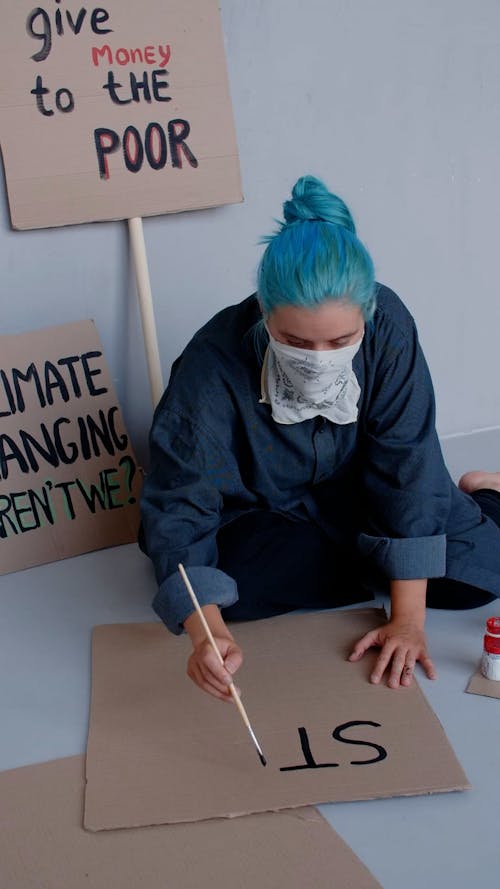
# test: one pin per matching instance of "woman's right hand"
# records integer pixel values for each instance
(204, 667)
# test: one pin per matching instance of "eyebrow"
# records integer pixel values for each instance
(303, 339)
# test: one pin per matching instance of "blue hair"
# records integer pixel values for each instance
(315, 254)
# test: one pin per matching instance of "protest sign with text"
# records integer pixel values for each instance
(114, 111)
(69, 482)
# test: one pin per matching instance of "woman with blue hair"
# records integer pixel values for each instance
(295, 461)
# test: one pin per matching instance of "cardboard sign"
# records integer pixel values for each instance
(114, 111)
(69, 482)
(160, 750)
(42, 843)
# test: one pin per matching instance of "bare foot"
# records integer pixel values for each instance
(474, 481)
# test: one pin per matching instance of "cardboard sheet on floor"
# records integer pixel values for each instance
(162, 751)
(43, 844)
(479, 685)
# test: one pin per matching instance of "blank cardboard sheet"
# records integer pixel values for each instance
(162, 751)
(43, 845)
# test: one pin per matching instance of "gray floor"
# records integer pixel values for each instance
(46, 615)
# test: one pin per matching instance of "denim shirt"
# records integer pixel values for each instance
(379, 483)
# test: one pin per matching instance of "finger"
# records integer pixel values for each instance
(364, 644)
(201, 676)
(198, 678)
(233, 660)
(214, 680)
(408, 670)
(212, 668)
(428, 666)
(382, 662)
(397, 668)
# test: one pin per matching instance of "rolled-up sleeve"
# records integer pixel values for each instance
(406, 488)
(181, 508)
(406, 558)
(173, 604)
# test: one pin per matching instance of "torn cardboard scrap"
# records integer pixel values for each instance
(42, 844)
(162, 751)
(479, 685)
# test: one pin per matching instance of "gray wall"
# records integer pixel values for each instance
(395, 105)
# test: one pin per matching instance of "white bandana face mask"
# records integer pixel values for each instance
(303, 383)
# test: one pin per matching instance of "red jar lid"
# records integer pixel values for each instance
(493, 626)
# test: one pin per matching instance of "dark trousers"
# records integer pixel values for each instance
(281, 565)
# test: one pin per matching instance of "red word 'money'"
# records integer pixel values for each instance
(151, 55)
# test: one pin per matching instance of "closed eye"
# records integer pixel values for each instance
(306, 344)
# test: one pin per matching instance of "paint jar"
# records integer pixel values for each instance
(490, 663)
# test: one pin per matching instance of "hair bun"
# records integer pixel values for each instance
(312, 201)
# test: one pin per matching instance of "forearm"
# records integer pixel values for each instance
(215, 621)
(408, 601)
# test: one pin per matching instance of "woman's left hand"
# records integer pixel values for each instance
(402, 644)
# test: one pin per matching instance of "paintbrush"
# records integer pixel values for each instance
(232, 689)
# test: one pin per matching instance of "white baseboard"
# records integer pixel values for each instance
(472, 450)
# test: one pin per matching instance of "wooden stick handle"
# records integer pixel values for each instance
(138, 244)
(202, 617)
(237, 701)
